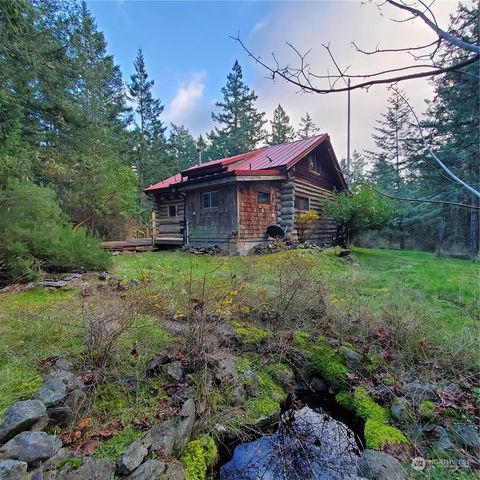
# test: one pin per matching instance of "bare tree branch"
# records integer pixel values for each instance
(432, 153)
(421, 200)
(296, 75)
(452, 39)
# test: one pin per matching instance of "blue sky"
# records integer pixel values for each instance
(184, 43)
(189, 54)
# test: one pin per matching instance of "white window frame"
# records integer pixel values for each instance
(209, 196)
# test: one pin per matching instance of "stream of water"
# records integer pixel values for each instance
(307, 444)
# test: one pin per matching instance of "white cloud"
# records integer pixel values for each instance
(187, 104)
(259, 26)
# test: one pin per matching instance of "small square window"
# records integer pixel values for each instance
(172, 210)
(210, 200)
(302, 203)
(263, 198)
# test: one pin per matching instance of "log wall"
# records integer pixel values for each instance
(164, 225)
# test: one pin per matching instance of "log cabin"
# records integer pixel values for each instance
(231, 201)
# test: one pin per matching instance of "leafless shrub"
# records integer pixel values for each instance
(105, 320)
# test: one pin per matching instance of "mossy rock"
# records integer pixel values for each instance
(264, 404)
(73, 463)
(426, 410)
(377, 431)
(377, 434)
(367, 408)
(325, 361)
(199, 455)
(249, 334)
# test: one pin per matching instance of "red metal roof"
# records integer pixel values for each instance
(177, 178)
(265, 161)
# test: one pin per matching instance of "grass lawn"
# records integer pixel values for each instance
(40, 323)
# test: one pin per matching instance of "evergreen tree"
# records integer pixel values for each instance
(307, 127)
(98, 187)
(453, 124)
(357, 169)
(182, 146)
(282, 131)
(150, 161)
(240, 123)
(396, 139)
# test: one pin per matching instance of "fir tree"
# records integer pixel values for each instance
(282, 131)
(307, 127)
(240, 124)
(396, 139)
(182, 146)
(151, 161)
(453, 126)
(357, 169)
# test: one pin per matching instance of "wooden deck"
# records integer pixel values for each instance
(141, 244)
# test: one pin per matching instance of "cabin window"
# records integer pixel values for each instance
(263, 198)
(172, 210)
(210, 200)
(302, 203)
(314, 163)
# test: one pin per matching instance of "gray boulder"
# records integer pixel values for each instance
(465, 435)
(134, 455)
(354, 359)
(150, 470)
(226, 370)
(163, 437)
(173, 371)
(379, 466)
(20, 417)
(251, 382)
(31, 447)
(184, 427)
(239, 395)
(442, 441)
(181, 396)
(12, 470)
(52, 391)
(175, 471)
(90, 469)
(284, 376)
(401, 410)
(129, 384)
(418, 392)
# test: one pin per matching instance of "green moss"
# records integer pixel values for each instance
(345, 400)
(198, 456)
(389, 381)
(113, 448)
(377, 434)
(281, 373)
(266, 401)
(325, 361)
(376, 363)
(302, 340)
(250, 334)
(74, 463)
(367, 408)
(426, 409)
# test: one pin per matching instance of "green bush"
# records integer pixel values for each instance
(360, 211)
(35, 236)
